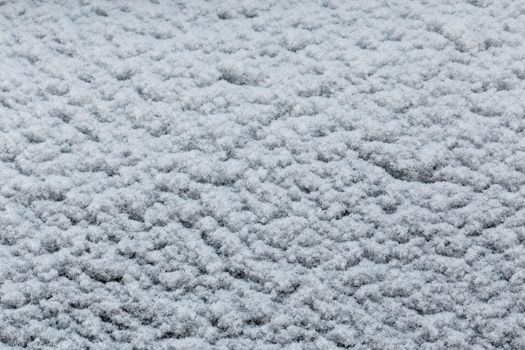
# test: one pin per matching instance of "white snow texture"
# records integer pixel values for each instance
(262, 174)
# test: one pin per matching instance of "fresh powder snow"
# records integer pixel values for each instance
(262, 174)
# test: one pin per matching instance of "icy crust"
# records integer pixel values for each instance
(262, 175)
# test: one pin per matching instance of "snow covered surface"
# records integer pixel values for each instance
(262, 175)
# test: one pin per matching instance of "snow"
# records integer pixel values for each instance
(262, 175)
